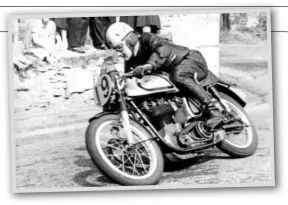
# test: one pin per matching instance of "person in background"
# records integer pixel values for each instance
(148, 24)
(19, 60)
(77, 32)
(98, 27)
(25, 32)
(61, 33)
(141, 24)
(43, 40)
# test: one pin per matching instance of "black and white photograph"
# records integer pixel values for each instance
(162, 100)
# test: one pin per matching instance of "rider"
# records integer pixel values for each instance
(149, 52)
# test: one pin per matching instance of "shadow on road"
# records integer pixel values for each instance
(94, 178)
(211, 155)
(190, 169)
(82, 177)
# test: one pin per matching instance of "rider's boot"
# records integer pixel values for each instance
(213, 113)
(210, 110)
(210, 107)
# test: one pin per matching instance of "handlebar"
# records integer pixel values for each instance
(130, 74)
(127, 75)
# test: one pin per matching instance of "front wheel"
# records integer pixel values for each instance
(138, 164)
(241, 144)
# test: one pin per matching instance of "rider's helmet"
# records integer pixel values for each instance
(117, 32)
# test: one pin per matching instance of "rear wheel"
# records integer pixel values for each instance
(137, 164)
(243, 143)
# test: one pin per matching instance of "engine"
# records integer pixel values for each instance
(162, 115)
(163, 111)
(169, 117)
(160, 112)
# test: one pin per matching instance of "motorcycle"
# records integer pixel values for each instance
(147, 120)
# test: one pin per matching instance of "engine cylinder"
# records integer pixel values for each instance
(162, 115)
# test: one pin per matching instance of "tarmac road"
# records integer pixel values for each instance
(59, 159)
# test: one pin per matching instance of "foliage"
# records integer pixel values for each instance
(246, 28)
(262, 25)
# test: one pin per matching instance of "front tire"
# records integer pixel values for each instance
(236, 149)
(110, 164)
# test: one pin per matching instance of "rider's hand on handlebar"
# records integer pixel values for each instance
(142, 70)
(127, 75)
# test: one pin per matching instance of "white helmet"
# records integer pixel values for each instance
(116, 32)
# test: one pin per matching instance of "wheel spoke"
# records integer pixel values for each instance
(116, 143)
(134, 160)
(123, 163)
(143, 153)
(133, 166)
(111, 146)
(113, 155)
(141, 161)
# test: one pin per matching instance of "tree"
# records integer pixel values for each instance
(225, 22)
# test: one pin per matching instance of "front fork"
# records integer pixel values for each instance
(125, 120)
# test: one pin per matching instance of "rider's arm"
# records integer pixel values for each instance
(159, 50)
(159, 57)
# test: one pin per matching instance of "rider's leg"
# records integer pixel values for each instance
(183, 77)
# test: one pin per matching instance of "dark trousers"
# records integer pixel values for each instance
(77, 31)
(183, 76)
(98, 27)
(61, 23)
(138, 22)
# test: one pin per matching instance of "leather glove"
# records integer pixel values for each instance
(142, 70)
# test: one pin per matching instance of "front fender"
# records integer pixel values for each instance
(231, 92)
(100, 114)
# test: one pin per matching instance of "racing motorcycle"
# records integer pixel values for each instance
(148, 121)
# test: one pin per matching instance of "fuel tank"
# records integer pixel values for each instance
(149, 84)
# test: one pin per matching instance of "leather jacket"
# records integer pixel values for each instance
(158, 52)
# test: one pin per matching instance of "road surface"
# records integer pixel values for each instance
(55, 157)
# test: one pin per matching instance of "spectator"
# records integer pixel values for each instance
(61, 33)
(142, 24)
(43, 39)
(98, 27)
(150, 24)
(15, 30)
(77, 31)
(25, 29)
(19, 60)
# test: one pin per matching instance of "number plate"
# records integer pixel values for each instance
(104, 89)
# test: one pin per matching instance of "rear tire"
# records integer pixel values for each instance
(227, 146)
(107, 168)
